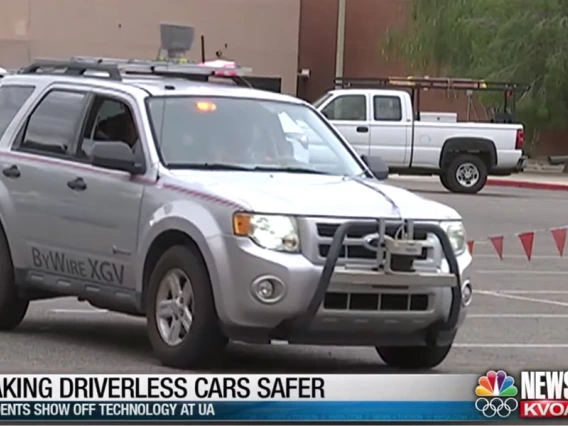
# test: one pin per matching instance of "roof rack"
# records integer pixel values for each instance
(429, 83)
(116, 69)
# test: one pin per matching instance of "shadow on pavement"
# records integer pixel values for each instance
(479, 194)
(127, 339)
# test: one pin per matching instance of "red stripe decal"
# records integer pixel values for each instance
(203, 195)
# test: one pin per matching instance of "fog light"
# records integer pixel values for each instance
(265, 289)
(268, 289)
(467, 293)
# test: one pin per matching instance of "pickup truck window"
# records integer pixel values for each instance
(387, 108)
(252, 135)
(53, 125)
(347, 108)
(12, 98)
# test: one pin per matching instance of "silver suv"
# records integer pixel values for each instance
(218, 212)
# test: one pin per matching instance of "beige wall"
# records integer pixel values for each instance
(262, 34)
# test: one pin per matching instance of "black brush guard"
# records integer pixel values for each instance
(303, 321)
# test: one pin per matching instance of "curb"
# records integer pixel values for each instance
(528, 184)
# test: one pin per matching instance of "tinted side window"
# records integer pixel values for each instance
(106, 122)
(110, 120)
(53, 125)
(347, 108)
(387, 108)
(12, 98)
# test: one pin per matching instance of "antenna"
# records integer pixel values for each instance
(203, 56)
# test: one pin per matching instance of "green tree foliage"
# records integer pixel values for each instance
(507, 40)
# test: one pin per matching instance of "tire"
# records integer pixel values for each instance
(414, 357)
(204, 341)
(475, 164)
(444, 181)
(13, 308)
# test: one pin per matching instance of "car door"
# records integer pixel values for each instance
(348, 113)
(390, 135)
(35, 172)
(105, 215)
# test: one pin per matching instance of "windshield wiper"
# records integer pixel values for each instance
(208, 166)
(225, 166)
(290, 169)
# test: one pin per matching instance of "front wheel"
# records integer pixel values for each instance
(13, 308)
(413, 357)
(182, 321)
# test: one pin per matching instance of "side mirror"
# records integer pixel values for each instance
(377, 165)
(115, 155)
(325, 114)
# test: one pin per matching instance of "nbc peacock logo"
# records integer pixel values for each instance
(496, 393)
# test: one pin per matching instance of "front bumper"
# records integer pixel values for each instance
(301, 316)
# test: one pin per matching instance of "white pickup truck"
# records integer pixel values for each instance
(378, 122)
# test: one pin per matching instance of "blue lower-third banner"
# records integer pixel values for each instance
(219, 411)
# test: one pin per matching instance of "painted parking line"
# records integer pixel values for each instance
(516, 272)
(511, 345)
(518, 316)
(517, 256)
(79, 311)
(522, 298)
(531, 291)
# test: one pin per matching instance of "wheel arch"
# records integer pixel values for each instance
(467, 145)
(164, 241)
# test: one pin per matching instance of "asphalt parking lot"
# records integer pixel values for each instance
(518, 318)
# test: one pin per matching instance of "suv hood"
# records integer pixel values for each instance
(314, 195)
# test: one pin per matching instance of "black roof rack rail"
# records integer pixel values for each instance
(428, 83)
(115, 69)
(69, 67)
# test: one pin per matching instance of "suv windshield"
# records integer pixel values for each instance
(245, 134)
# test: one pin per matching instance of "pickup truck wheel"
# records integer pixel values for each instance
(413, 357)
(182, 322)
(12, 307)
(466, 174)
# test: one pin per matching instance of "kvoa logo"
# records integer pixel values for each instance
(544, 409)
(544, 394)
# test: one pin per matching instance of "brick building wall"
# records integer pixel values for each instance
(366, 22)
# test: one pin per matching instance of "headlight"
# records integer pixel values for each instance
(271, 232)
(456, 234)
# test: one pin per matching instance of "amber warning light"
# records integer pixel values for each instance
(206, 106)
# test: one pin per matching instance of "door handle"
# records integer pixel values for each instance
(12, 172)
(77, 184)
(362, 129)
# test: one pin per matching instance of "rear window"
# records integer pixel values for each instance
(12, 98)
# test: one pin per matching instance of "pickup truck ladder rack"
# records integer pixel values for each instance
(429, 83)
(116, 69)
(418, 84)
